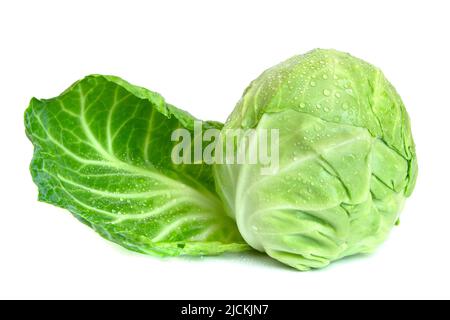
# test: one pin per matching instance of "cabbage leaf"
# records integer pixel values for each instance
(103, 152)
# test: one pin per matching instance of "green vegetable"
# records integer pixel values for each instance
(345, 163)
(347, 160)
(103, 151)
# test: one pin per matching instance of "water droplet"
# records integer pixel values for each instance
(318, 106)
(326, 92)
(326, 109)
(325, 76)
(337, 95)
(345, 106)
(313, 83)
(302, 105)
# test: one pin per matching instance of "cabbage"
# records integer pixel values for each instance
(347, 160)
(342, 163)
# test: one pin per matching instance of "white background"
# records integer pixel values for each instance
(200, 55)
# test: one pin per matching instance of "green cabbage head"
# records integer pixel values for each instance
(347, 160)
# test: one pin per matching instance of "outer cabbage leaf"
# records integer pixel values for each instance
(347, 160)
(103, 151)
